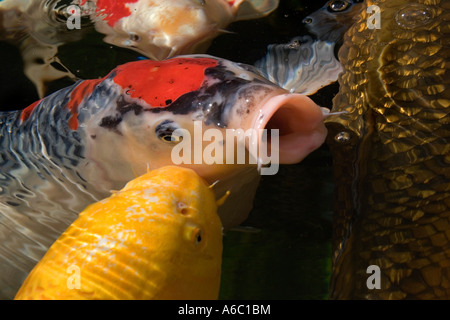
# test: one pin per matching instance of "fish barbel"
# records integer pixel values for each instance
(391, 153)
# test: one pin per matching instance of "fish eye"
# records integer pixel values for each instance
(167, 138)
(134, 37)
(171, 138)
(202, 2)
(164, 131)
(307, 20)
(338, 6)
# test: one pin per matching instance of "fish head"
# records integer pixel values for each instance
(161, 29)
(185, 111)
(187, 229)
(330, 22)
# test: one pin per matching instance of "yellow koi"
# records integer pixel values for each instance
(158, 238)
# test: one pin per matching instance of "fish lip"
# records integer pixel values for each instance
(300, 124)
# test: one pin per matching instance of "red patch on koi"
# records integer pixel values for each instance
(26, 113)
(113, 9)
(76, 97)
(159, 83)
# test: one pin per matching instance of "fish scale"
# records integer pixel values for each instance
(48, 130)
(158, 238)
(41, 189)
(392, 170)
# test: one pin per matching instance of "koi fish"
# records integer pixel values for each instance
(391, 152)
(330, 22)
(69, 149)
(158, 29)
(158, 238)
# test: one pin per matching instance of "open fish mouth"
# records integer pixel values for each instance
(299, 122)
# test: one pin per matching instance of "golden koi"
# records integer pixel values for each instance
(391, 154)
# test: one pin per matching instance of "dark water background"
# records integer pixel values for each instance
(284, 251)
(289, 258)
